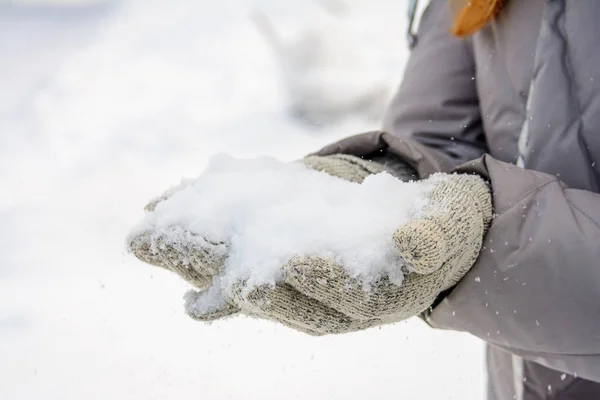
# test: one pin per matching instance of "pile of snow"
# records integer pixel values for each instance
(267, 211)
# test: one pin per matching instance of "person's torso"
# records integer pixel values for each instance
(547, 53)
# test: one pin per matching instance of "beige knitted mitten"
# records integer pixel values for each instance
(198, 261)
(439, 246)
(316, 295)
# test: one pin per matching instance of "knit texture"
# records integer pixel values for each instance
(193, 258)
(439, 246)
(355, 169)
(197, 260)
(343, 166)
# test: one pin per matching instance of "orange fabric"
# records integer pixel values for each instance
(472, 15)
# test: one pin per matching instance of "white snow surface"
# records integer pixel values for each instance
(102, 107)
(267, 211)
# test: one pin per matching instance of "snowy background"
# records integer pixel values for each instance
(105, 104)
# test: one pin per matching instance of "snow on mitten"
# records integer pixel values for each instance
(193, 258)
(438, 247)
(198, 260)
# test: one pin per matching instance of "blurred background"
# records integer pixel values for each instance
(105, 104)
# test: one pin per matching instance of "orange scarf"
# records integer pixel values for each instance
(472, 15)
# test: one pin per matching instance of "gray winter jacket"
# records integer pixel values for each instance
(534, 74)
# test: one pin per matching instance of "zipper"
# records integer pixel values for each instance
(411, 36)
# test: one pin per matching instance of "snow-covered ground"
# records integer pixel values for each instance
(103, 106)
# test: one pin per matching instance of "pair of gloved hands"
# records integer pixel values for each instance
(317, 296)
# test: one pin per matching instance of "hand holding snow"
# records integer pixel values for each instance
(320, 254)
(266, 211)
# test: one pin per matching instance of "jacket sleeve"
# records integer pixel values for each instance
(435, 111)
(535, 288)
(436, 104)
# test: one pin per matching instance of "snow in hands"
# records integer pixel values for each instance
(257, 214)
